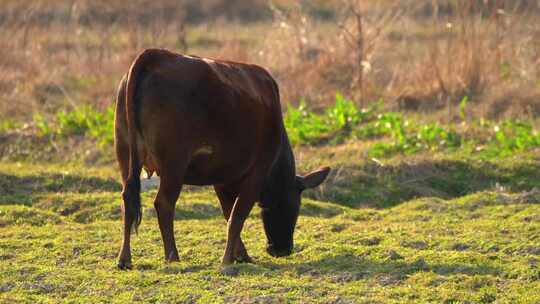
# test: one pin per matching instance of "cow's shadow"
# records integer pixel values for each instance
(23, 190)
(29, 189)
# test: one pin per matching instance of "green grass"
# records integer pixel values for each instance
(413, 212)
(397, 134)
(390, 133)
(84, 121)
(461, 231)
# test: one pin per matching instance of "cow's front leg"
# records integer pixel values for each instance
(227, 196)
(240, 211)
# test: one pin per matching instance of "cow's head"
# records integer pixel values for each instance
(280, 217)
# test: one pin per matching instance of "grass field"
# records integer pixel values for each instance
(468, 231)
(427, 111)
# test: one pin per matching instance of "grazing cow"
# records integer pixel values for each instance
(200, 121)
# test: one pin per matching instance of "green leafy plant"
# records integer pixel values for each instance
(462, 106)
(433, 136)
(84, 121)
(74, 122)
(409, 139)
(102, 126)
(343, 114)
(8, 125)
(43, 126)
(334, 125)
(339, 122)
(385, 124)
(304, 126)
(511, 136)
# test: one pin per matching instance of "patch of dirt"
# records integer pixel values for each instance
(338, 227)
(530, 197)
(420, 264)
(433, 204)
(414, 244)
(263, 299)
(389, 279)
(394, 255)
(346, 277)
(460, 247)
(371, 241)
(534, 250)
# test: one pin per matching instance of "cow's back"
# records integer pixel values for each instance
(226, 116)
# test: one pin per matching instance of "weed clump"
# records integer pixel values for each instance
(390, 132)
(84, 121)
(394, 134)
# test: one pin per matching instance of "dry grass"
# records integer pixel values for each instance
(417, 55)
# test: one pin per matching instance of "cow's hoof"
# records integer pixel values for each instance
(125, 265)
(173, 260)
(229, 270)
(243, 259)
(172, 257)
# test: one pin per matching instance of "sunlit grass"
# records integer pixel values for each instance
(61, 230)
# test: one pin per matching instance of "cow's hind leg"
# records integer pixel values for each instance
(227, 195)
(169, 190)
(130, 206)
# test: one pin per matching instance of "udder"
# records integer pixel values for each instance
(149, 163)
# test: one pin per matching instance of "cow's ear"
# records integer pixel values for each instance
(313, 179)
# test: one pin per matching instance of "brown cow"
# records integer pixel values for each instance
(200, 121)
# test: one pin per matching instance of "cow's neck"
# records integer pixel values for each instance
(282, 175)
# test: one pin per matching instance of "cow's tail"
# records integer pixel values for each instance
(132, 189)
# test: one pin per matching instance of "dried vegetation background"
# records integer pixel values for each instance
(423, 56)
